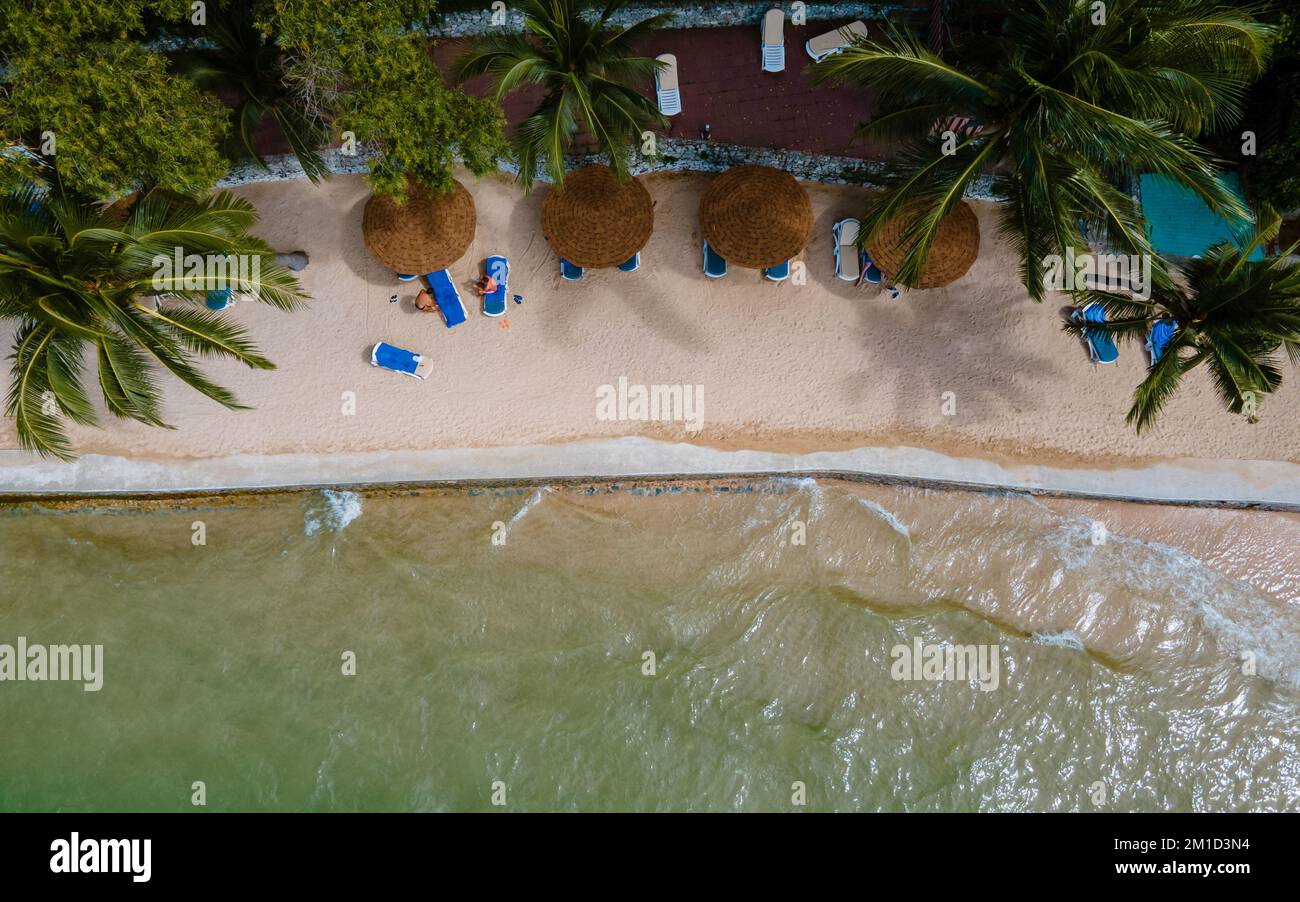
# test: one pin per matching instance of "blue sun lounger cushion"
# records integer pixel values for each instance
(872, 275)
(446, 296)
(494, 304)
(399, 360)
(1162, 334)
(778, 273)
(569, 272)
(1101, 345)
(632, 264)
(714, 266)
(220, 298)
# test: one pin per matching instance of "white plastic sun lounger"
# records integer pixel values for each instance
(833, 42)
(667, 88)
(773, 32)
(848, 259)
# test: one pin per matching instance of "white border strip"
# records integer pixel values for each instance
(1272, 484)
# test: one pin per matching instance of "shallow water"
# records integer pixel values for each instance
(1120, 683)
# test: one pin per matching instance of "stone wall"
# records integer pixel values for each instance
(675, 154)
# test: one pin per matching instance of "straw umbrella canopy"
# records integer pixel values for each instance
(428, 232)
(595, 220)
(756, 216)
(956, 245)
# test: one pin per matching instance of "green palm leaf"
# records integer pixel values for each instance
(72, 275)
(590, 76)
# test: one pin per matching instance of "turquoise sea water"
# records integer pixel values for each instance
(521, 663)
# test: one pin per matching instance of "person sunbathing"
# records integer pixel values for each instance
(486, 285)
(424, 301)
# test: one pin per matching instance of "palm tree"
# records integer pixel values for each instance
(244, 64)
(590, 78)
(1234, 316)
(75, 274)
(1061, 107)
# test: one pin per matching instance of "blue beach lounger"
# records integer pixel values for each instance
(569, 272)
(632, 264)
(403, 277)
(497, 267)
(714, 266)
(1162, 334)
(399, 360)
(446, 296)
(1101, 346)
(872, 275)
(220, 298)
(778, 273)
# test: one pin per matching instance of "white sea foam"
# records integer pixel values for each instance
(1059, 639)
(528, 505)
(888, 516)
(340, 509)
(1231, 609)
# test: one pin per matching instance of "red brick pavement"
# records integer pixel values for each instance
(722, 84)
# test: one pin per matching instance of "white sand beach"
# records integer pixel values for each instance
(789, 367)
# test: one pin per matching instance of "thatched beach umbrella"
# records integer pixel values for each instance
(756, 216)
(596, 220)
(428, 232)
(956, 245)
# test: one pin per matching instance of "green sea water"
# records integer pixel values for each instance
(504, 638)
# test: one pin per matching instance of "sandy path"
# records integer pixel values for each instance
(795, 367)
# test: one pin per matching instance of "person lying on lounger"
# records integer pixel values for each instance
(424, 301)
(486, 285)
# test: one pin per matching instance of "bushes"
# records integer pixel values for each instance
(123, 118)
(114, 115)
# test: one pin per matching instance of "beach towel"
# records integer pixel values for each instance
(446, 297)
(667, 89)
(714, 266)
(833, 42)
(773, 41)
(1101, 345)
(399, 360)
(494, 303)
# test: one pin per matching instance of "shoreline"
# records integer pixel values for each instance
(1257, 484)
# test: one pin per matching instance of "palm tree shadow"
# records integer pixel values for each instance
(935, 342)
